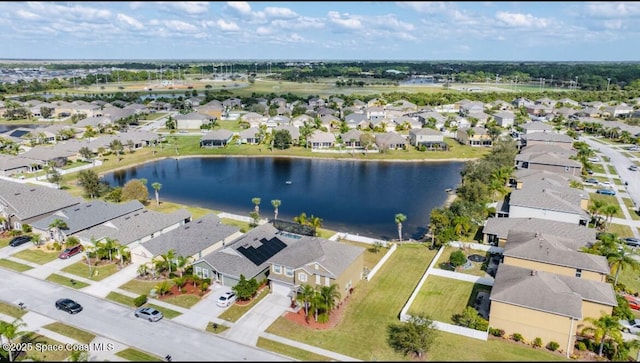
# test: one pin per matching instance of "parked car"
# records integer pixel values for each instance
(606, 191)
(589, 171)
(633, 167)
(19, 240)
(634, 148)
(591, 181)
(226, 299)
(606, 184)
(631, 241)
(70, 252)
(633, 302)
(150, 314)
(630, 326)
(68, 305)
(594, 159)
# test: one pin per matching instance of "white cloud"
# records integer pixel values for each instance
(263, 30)
(344, 20)
(83, 13)
(427, 7)
(135, 5)
(27, 15)
(274, 12)
(227, 25)
(614, 24)
(180, 26)
(613, 9)
(242, 7)
(190, 7)
(134, 23)
(521, 20)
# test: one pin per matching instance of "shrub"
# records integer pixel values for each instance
(553, 346)
(457, 258)
(582, 346)
(57, 246)
(140, 300)
(517, 337)
(496, 332)
(537, 342)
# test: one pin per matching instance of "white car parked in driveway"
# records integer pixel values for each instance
(631, 326)
(226, 299)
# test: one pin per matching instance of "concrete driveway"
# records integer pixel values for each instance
(258, 319)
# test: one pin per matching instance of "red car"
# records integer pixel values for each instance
(633, 302)
(70, 251)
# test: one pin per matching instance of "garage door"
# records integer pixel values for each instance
(280, 289)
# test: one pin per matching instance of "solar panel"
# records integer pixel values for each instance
(266, 250)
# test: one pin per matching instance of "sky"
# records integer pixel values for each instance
(331, 30)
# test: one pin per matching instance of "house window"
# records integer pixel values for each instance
(317, 279)
(198, 271)
(327, 281)
(17, 225)
(288, 271)
(277, 269)
(302, 277)
(205, 273)
(579, 272)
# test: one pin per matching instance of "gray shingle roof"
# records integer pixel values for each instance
(553, 250)
(548, 292)
(547, 194)
(29, 201)
(501, 227)
(89, 214)
(230, 262)
(192, 237)
(134, 226)
(548, 137)
(335, 257)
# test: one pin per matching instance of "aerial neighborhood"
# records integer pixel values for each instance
(546, 282)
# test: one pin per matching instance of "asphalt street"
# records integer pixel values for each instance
(118, 323)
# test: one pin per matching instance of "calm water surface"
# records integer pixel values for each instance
(350, 196)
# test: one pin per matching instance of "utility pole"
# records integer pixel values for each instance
(576, 86)
(608, 83)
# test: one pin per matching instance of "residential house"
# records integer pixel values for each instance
(213, 110)
(22, 204)
(195, 240)
(618, 110)
(134, 228)
(474, 136)
(49, 155)
(430, 138)
(83, 216)
(248, 255)
(216, 138)
(250, 136)
(301, 120)
(479, 118)
(504, 118)
(11, 165)
(351, 139)
(192, 120)
(391, 141)
(321, 140)
(316, 262)
(406, 122)
(549, 161)
(254, 119)
(535, 138)
(541, 304)
(293, 131)
(374, 113)
(496, 230)
(357, 121)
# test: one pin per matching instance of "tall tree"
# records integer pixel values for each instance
(275, 203)
(89, 181)
(11, 331)
(415, 336)
(256, 201)
(305, 296)
(605, 328)
(156, 187)
(400, 218)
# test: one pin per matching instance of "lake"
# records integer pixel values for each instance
(350, 196)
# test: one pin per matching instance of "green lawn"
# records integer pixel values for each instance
(609, 200)
(219, 329)
(621, 230)
(376, 304)
(37, 255)
(442, 297)
(11, 310)
(4, 242)
(81, 269)
(41, 356)
(16, 266)
(141, 287)
(65, 281)
(134, 355)
(77, 334)
(612, 169)
(244, 226)
(120, 298)
(476, 270)
(236, 311)
(185, 301)
(629, 204)
(290, 351)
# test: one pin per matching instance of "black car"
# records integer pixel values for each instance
(69, 306)
(20, 240)
(631, 241)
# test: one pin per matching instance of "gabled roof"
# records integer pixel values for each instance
(352, 134)
(29, 201)
(192, 237)
(134, 226)
(501, 227)
(220, 134)
(548, 158)
(553, 250)
(9, 162)
(548, 292)
(548, 137)
(89, 214)
(335, 257)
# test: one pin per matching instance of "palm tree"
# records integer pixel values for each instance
(124, 254)
(12, 331)
(301, 219)
(604, 328)
(330, 296)
(609, 211)
(399, 219)
(168, 258)
(315, 222)
(256, 201)
(305, 296)
(619, 259)
(182, 263)
(275, 203)
(595, 207)
(108, 245)
(57, 225)
(156, 187)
